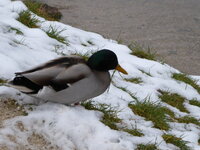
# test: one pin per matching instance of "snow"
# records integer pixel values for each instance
(75, 127)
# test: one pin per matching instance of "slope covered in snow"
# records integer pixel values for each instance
(68, 128)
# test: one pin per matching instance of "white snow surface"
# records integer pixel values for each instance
(74, 127)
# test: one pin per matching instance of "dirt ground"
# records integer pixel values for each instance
(170, 27)
(10, 109)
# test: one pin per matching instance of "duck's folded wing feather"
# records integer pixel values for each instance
(72, 74)
(62, 62)
(45, 73)
(44, 76)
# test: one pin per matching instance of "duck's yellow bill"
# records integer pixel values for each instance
(119, 68)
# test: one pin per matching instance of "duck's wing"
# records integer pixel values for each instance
(70, 76)
(59, 62)
(46, 74)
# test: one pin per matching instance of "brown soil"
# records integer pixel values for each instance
(10, 109)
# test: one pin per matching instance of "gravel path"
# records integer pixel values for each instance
(171, 27)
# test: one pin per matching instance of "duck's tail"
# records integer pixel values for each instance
(24, 85)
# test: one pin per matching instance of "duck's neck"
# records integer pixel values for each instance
(103, 76)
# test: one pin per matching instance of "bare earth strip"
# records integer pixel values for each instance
(36, 142)
(8, 110)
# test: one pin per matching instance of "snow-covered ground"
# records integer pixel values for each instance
(75, 127)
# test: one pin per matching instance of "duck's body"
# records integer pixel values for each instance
(71, 78)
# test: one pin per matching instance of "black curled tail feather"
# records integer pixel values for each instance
(23, 81)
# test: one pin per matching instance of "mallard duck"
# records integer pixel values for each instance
(71, 79)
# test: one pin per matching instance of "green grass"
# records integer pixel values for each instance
(85, 55)
(90, 42)
(177, 101)
(58, 49)
(187, 80)
(169, 112)
(85, 45)
(17, 31)
(109, 118)
(188, 119)
(2, 81)
(151, 111)
(146, 147)
(175, 141)
(125, 90)
(139, 51)
(185, 119)
(194, 102)
(134, 132)
(20, 42)
(173, 99)
(134, 80)
(43, 10)
(120, 41)
(27, 19)
(54, 32)
(147, 73)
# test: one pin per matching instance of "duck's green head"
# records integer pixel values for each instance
(104, 60)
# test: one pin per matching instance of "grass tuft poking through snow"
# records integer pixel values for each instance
(188, 119)
(2, 81)
(173, 99)
(139, 51)
(43, 10)
(17, 31)
(20, 42)
(109, 118)
(147, 73)
(185, 119)
(54, 32)
(125, 90)
(27, 19)
(194, 102)
(134, 80)
(85, 55)
(151, 111)
(187, 80)
(83, 44)
(169, 112)
(90, 42)
(134, 132)
(146, 147)
(175, 141)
